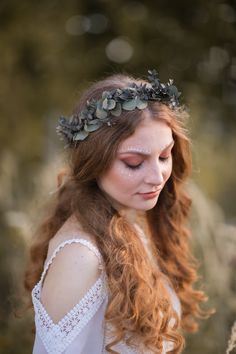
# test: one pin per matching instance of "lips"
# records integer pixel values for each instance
(150, 195)
(158, 190)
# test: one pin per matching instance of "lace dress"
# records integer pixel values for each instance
(82, 330)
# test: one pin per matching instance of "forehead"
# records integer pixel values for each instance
(150, 134)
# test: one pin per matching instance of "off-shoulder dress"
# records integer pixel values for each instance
(82, 330)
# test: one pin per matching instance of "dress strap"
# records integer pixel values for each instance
(68, 242)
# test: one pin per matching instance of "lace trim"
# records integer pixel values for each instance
(68, 242)
(56, 337)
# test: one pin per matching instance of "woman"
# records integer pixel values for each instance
(111, 270)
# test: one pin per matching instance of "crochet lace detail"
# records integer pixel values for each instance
(57, 336)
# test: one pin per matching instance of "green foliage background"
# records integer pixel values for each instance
(50, 51)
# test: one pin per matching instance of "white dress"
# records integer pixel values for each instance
(82, 329)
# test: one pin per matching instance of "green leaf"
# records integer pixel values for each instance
(92, 127)
(173, 90)
(105, 94)
(105, 103)
(141, 104)
(94, 121)
(83, 114)
(117, 110)
(79, 126)
(81, 135)
(100, 113)
(89, 116)
(129, 105)
(111, 104)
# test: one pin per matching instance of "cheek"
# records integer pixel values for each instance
(120, 179)
(126, 173)
(124, 177)
(117, 179)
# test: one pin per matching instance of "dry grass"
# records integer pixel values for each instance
(214, 241)
(232, 340)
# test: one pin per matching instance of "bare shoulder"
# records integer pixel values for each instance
(72, 273)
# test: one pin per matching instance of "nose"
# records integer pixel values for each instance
(154, 175)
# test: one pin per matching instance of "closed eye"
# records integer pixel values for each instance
(164, 159)
(133, 167)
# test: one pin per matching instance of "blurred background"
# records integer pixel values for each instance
(50, 51)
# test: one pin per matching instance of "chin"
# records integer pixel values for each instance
(146, 207)
(149, 205)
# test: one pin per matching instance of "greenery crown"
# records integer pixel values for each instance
(78, 126)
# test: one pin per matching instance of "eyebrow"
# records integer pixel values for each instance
(144, 153)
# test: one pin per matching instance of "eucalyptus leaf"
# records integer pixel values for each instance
(92, 127)
(89, 116)
(81, 135)
(118, 91)
(105, 94)
(111, 104)
(100, 113)
(83, 115)
(117, 110)
(105, 103)
(173, 90)
(94, 121)
(141, 104)
(129, 105)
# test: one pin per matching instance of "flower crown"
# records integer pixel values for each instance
(78, 126)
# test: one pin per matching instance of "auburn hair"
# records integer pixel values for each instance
(139, 307)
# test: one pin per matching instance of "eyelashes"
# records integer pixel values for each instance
(164, 159)
(136, 167)
(133, 167)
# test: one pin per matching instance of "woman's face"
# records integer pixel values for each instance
(143, 164)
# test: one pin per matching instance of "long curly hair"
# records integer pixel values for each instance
(139, 306)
